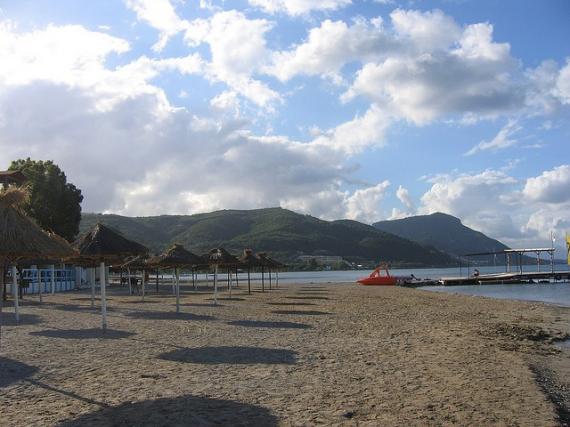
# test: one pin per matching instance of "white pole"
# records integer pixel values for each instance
(216, 284)
(129, 280)
(277, 279)
(142, 285)
(39, 280)
(15, 293)
(231, 283)
(52, 274)
(103, 300)
(177, 290)
(174, 281)
(93, 275)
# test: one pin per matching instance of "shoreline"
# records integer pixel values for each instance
(299, 355)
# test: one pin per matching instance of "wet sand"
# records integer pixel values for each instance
(299, 355)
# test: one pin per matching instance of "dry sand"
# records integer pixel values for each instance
(300, 355)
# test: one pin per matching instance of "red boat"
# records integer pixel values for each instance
(376, 278)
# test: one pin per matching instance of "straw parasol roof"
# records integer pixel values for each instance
(249, 260)
(222, 258)
(103, 243)
(12, 177)
(139, 262)
(269, 262)
(175, 256)
(21, 237)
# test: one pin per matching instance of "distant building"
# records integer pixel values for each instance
(322, 259)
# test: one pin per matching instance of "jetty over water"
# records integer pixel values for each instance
(514, 272)
(506, 278)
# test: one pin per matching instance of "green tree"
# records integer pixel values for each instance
(54, 203)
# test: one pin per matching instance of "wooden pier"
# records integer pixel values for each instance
(507, 278)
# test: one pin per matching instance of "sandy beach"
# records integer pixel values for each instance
(300, 355)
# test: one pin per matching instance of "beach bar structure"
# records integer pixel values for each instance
(514, 270)
(49, 280)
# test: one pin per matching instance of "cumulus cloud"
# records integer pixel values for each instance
(298, 7)
(364, 204)
(355, 135)
(551, 186)
(140, 155)
(563, 84)
(238, 50)
(330, 46)
(427, 30)
(472, 79)
(502, 140)
(161, 15)
(403, 196)
(61, 54)
(471, 197)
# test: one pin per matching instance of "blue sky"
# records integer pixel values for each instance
(367, 110)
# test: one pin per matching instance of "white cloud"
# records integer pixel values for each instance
(403, 196)
(298, 7)
(563, 84)
(226, 102)
(491, 202)
(364, 204)
(502, 140)
(426, 30)
(471, 197)
(238, 49)
(551, 186)
(161, 15)
(74, 56)
(199, 163)
(353, 136)
(329, 47)
(65, 54)
(424, 87)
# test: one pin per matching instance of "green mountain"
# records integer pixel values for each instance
(282, 233)
(444, 232)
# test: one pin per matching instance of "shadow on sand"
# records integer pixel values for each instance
(166, 315)
(9, 319)
(232, 355)
(291, 303)
(301, 313)
(200, 304)
(94, 333)
(267, 324)
(178, 411)
(12, 371)
(308, 297)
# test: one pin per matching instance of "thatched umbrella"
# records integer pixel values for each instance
(271, 264)
(219, 257)
(175, 257)
(12, 177)
(21, 237)
(249, 260)
(102, 244)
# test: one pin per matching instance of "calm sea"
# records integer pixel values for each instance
(558, 293)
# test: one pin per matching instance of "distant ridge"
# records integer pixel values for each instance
(442, 231)
(283, 233)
